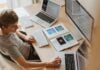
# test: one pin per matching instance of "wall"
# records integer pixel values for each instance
(18, 3)
(93, 7)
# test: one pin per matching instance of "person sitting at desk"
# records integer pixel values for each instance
(11, 44)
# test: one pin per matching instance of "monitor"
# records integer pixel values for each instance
(80, 17)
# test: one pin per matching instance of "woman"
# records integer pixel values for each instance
(12, 45)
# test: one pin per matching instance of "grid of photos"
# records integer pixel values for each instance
(54, 30)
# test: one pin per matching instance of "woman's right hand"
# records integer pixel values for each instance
(30, 39)
(55, 63)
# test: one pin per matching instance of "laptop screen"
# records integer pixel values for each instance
(53, 9)
(80, 17)
(44, 5)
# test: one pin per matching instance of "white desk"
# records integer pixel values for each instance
(47, 53)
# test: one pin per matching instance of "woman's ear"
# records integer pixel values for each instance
(2, 27)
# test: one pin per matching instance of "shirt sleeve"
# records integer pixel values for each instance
(13, 52)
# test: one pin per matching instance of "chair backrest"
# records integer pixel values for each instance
(6, 56)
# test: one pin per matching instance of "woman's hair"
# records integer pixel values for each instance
(8, 17)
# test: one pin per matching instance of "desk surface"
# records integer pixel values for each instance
(47, 53)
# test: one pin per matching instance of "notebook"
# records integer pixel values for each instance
(40, 38)
(48, 15)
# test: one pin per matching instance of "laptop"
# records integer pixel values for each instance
(48, 15)
(76, 60)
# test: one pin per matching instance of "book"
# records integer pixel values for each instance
(60, 37)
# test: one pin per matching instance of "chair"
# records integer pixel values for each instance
(7, 57)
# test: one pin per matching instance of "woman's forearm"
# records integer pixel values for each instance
(21, 35)
(29, 64)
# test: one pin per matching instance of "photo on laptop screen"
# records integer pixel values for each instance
(80, 17)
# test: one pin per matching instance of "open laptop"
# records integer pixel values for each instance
(48, 15)
(76, 60)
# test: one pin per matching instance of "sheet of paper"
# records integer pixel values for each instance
(21, 12)
(40, 38)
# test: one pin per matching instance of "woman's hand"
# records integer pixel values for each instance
(30, 39)
(55, 63)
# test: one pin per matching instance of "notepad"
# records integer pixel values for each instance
(40, 38)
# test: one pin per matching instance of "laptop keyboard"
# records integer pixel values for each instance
(45, 17)
(69, 62)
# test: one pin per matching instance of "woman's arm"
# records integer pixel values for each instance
(21, 35)
(18, 58)
(27, 38)
(27, 64)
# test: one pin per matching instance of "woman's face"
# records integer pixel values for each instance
(12, 28)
